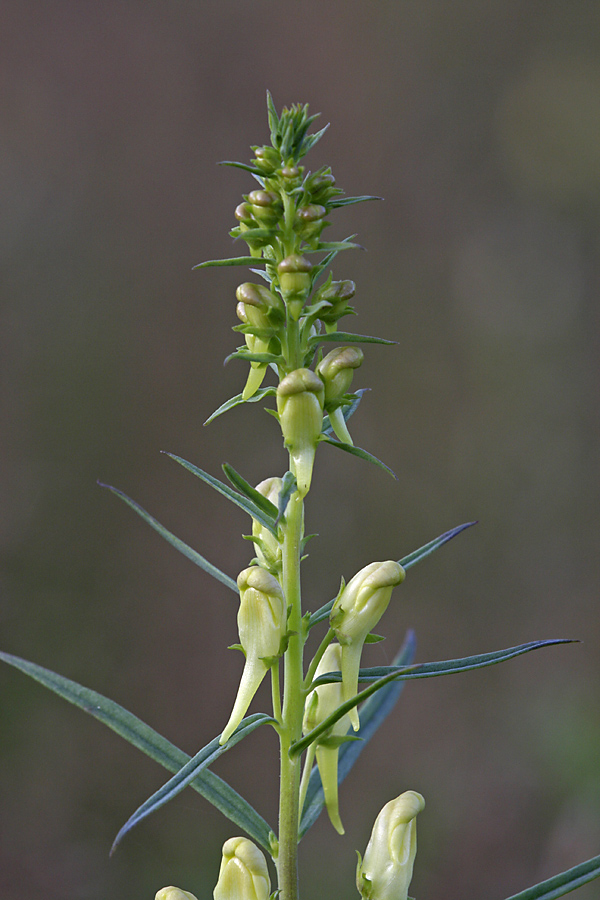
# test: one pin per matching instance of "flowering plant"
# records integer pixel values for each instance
(289, 317)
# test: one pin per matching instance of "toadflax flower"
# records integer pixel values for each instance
(336, 370)
(300, 397)
(259, 308)
(386, 870)
(358, 608)
(174, 893)
(243, 874)
(262, 623)
(322, 702)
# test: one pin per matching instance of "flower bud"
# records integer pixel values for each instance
(268, 548)
(386, 870)
(338, 293)
(324, 701)
(243, 874)
(262, 623)
(336, 371)
(357, 610)
(295, 282)
(267, 159)
(320, 186)
(300, 406)
(266, 206)
(243, 213)
(173, 893)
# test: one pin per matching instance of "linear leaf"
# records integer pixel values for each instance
(247, 505)
(238, 399)
(273, 117)
(348, 337)
(204, 758)
(362, 454)
(446, 666)
(427, 549)
(234, 261)
(176, 542)
(334, 245)
(250, 492)
(424, 670)
(372, 715)
(348, 201)
(248, 356)
(559, 885)
(150, 742)
(239, 165)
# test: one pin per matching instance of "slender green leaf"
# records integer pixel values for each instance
(427, 549)
(273, 118)
(362, 454)
(190, 771)
(234, 261)
(444, 667)
(250, 492)
(180, 545)
(239, 165)
(288, 486)
(424, 670)
(150, 742)
(249, 356)
(348, 201)
(372, 715)
(347, 337)
(238, 399)
(247, 505)
(561, 884)
(334, 245)
(312, 139)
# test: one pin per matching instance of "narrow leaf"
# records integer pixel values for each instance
(234, 261)
(238, 399)
(362, 454)
(247, 505)
(422, 671)
(561, 884)
(176, 542)
(446, 666)
(312, 139)
(372, 715)
(239, 165)
(150, 742)
(334, 245)
(348, 201)
(251, 493)
(273, 118)
(205, 757)
(427, 549)
(248, 356)
(348, 337)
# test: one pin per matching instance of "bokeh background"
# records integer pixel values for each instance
(479, 122)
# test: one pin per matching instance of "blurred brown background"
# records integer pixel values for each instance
(479, 122)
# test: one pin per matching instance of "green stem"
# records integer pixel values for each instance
(293, 706)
